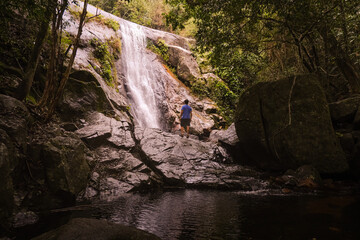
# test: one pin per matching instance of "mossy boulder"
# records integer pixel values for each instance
(286, 124)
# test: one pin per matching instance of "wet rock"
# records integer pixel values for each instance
(305, 176)
(86, 228)
(308, 176)
(286, 124)
(188, 162)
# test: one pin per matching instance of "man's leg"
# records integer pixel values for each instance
(187, 130)
(182, 131)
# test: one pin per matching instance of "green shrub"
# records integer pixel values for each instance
(160, 48)
(105, 58)
(111, 23)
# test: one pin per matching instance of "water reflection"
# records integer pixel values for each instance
(192, 214)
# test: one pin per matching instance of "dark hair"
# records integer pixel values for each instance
(186, 101)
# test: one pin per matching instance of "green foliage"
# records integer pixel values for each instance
(224, 98)
(107, 5)
(249, 41)
(111, 23)
(103, 55)
(145, 12)
(199, 88)
(17, 34)
(31, 99)
(160, 48)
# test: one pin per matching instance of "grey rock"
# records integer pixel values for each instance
(101, 129)
(188, 162)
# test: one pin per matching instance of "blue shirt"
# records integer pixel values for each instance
(186, 111)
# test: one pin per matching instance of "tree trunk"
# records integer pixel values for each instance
(66, 75)
(35, 55)
(343, 61)
(53, 68)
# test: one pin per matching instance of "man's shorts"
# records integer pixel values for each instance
(185, 122)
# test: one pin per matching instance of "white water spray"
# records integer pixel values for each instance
(140, 84)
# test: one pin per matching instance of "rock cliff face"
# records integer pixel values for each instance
(170, 91)
(286, 124)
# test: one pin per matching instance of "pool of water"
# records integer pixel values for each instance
(199, 214)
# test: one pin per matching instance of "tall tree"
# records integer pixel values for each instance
(66, 75)
(35, 53)
(56, 79)
(240, 34)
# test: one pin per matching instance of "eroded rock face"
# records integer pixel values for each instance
(100, 129)
(286, 124)
(189, 162)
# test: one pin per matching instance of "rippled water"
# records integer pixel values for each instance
(193, 214)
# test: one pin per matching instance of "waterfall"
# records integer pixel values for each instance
(140, 84)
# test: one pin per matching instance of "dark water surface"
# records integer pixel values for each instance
(195, 214)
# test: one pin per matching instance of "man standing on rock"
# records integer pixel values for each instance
(185, 118)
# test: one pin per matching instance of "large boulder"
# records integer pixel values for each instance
(61, 159)
(86, 228)
(286, 124)
(185, 64)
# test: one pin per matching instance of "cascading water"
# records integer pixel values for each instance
(139, 80)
